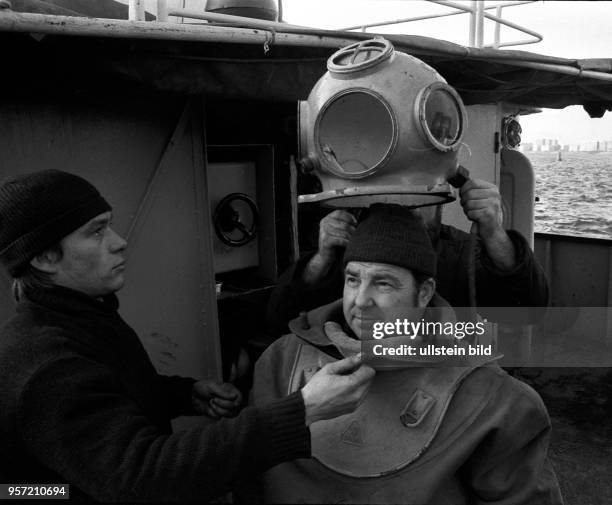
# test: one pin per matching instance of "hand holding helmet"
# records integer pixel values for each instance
(335, 231)
(481, 203)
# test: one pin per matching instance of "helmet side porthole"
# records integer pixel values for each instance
(441, 116)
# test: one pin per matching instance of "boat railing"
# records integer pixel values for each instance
(477, 11)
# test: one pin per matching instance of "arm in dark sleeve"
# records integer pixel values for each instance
(271, 379)
(78, 420)
(291, 295)
(178, 394)
(510, 465)
(524, 286)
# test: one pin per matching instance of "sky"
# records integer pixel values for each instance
(570, 29)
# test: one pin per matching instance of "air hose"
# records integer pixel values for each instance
(462, 175)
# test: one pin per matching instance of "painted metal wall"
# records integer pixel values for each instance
(579, 269)
(578, 329)
(478, 155)
(517, 188)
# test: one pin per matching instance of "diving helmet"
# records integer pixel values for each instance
(380, 126)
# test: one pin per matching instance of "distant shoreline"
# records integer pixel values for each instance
(529, 154)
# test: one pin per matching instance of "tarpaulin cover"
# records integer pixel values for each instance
(278, 72)
(91, 8)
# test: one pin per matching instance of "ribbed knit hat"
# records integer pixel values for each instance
(393, 235)
(37, 210)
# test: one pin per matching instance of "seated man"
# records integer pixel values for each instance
(433, 429)
(506, 273)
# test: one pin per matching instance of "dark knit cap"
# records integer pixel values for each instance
(37, 210)
(393, 235)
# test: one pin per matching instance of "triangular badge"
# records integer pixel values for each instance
(352, 435)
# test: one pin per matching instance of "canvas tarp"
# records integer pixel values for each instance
(153, 60)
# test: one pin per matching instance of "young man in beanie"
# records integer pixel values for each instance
(434, 428)
(81, 402)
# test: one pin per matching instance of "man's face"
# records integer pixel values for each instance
(92, 261)
(379, 292)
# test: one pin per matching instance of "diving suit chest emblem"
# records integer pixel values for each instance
(416, 409)
(391, 428)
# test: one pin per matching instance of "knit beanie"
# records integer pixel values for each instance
(393, 235)
(37, 210)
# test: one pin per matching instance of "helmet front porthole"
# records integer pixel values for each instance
(355, 133)
(441, 116)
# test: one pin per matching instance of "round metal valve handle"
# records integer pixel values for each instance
(359, 56)
(226, 219)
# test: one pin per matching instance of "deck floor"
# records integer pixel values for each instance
(579, 401)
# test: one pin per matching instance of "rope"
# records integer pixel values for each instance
(269, 41)
(472, 272)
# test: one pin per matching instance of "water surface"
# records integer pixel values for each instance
(575, 194)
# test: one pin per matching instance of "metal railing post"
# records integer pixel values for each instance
(136, 11)
(473, 24)
(479, 24)
(498, 13)
(162, 10)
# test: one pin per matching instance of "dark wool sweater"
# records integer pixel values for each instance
(81, 403)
